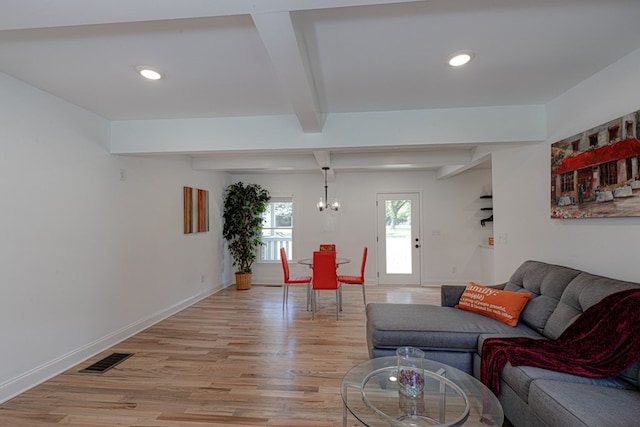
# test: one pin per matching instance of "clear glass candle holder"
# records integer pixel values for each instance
(410, 371)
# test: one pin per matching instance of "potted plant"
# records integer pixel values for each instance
(243, 209)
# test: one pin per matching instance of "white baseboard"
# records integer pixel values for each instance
(42, 373)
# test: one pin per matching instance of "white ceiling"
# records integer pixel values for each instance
(309, 58)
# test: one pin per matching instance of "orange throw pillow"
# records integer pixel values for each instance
(504, 306)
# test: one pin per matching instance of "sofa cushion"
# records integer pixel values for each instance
(560, 403)
(429, 327)
(632, 375)
(584, 291)
(546, 283)
(520, 378)
(461, 360)
(504, 306)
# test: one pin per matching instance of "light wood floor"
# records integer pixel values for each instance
(234, 358)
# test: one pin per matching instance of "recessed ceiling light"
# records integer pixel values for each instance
(460, 58)
(150, 72)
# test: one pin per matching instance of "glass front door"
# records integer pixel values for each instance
(398, 218)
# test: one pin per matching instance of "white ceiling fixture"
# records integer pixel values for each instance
(460, 58)
(150, 73)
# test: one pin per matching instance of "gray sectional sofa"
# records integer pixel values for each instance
(529, 396)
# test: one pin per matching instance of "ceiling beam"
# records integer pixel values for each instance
(479, 156)
(400, 159)
(255, 163)
(309, 161)
(343, 131)
(323, 158)
(288, 54)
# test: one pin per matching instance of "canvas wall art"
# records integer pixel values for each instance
(196, 210)
(596, 173)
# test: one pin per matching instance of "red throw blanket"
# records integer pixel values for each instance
(603, 342)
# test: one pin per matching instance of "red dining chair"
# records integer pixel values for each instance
(292, 280)
(325, 277)
(327, 247)
(357, 280)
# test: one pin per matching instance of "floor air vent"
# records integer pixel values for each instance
(107, 363)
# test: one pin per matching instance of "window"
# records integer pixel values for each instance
(609, 173)
(566, 183)
(628, 129)
(593, 140)
(613, 133)
(575, 145)
(277, 229)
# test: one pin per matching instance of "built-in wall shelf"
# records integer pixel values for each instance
(484, 221)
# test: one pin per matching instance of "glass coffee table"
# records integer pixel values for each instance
(451, 397)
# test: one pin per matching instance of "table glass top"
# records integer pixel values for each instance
(309, 261)
(451, 397)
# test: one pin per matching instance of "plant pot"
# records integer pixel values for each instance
(243, 281)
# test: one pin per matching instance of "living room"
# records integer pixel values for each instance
(93, 249)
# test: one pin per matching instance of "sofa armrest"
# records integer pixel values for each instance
(450, 294)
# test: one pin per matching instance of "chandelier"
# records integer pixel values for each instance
(324, 205)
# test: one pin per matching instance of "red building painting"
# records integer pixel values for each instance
(597, 172)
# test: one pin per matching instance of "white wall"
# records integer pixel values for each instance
(86, 258)
(450, 208)
(521, 177)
